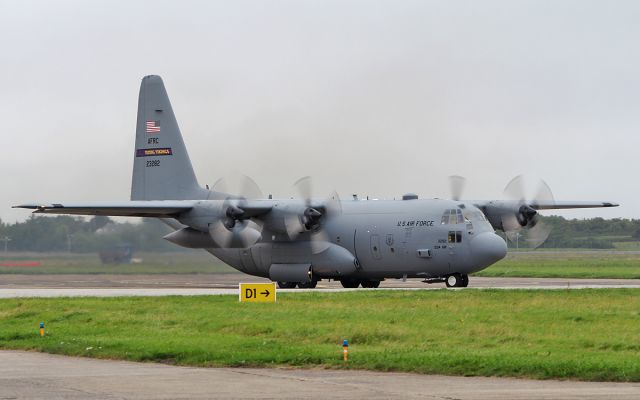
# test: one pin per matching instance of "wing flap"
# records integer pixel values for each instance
(159, 209)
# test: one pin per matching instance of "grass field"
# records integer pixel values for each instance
(567, 264)
(565, 334)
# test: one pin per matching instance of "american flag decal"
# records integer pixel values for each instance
(153, 126)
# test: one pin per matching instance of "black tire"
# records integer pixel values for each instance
(370, 283)
(350, 283)
(308, 285)
(453, 280)
(286, 285)
(464, 282)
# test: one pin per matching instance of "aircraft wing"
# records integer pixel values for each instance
(154, 208)
(562, 205)
(551, 205)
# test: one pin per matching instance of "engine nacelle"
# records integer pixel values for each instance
(191, 238)
(510, 216)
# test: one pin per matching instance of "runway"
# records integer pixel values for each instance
(12, 286)
(35, 375)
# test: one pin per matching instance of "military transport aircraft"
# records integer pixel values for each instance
(298, 242)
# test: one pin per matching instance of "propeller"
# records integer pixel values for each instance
(456, 186)
(526, 216)
(233, 228)
(313, 216)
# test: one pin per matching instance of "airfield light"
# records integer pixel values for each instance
(42, 329)
(345, 350)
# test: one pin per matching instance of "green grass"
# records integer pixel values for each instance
(576, 334)
(627, 245)
(191, 262)
(567, 264)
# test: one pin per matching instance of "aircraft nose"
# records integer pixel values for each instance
(488, 248)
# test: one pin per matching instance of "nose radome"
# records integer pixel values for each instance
(488, 248)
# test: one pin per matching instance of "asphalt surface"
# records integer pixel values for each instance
(26, 375)
(219, 284)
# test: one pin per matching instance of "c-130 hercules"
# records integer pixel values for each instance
(298, 242)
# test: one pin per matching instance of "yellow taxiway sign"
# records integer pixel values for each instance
(258, 292)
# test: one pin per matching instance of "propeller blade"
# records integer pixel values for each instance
(543, 194)
(515, 189)
(220, 234)
(242, 235)
(510, 224)
(537, 235)
(320, 242)
(220, 186)
(241, 186)
(456, 184)
(247, 237)
(293, 225)
(333, 205)
(303, 186)
(249, 189)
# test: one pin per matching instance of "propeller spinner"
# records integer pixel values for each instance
(526, 215)
(313, 217)
(234, 228)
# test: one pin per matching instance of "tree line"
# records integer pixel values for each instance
(80, 235)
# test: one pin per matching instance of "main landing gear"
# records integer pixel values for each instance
(354, 283)
(346, 283)
(457, 280)
(302, 285)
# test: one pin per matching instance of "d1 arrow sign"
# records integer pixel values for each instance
(258, 292)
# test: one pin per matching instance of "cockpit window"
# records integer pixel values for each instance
(474, 215)
(452, 217)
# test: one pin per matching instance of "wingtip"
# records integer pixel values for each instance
(28, 206)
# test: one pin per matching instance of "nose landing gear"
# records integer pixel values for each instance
(457, 280)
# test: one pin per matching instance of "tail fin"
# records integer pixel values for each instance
(161, 166)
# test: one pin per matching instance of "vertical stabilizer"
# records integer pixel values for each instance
(161, 166)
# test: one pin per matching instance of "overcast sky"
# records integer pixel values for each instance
(377, 98)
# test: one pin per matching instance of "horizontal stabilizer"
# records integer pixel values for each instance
(159, 208)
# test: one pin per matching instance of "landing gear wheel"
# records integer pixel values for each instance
(370, 283)
(350, 283)
(286, 285)
(453, 280)
(457, 280)
(307, 285)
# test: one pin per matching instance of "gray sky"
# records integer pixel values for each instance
(371, 97)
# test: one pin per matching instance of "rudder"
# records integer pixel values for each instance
(161, 166)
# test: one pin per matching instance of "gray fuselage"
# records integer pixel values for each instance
(389, 239)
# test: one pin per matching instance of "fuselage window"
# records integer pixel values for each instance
(454, 237)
